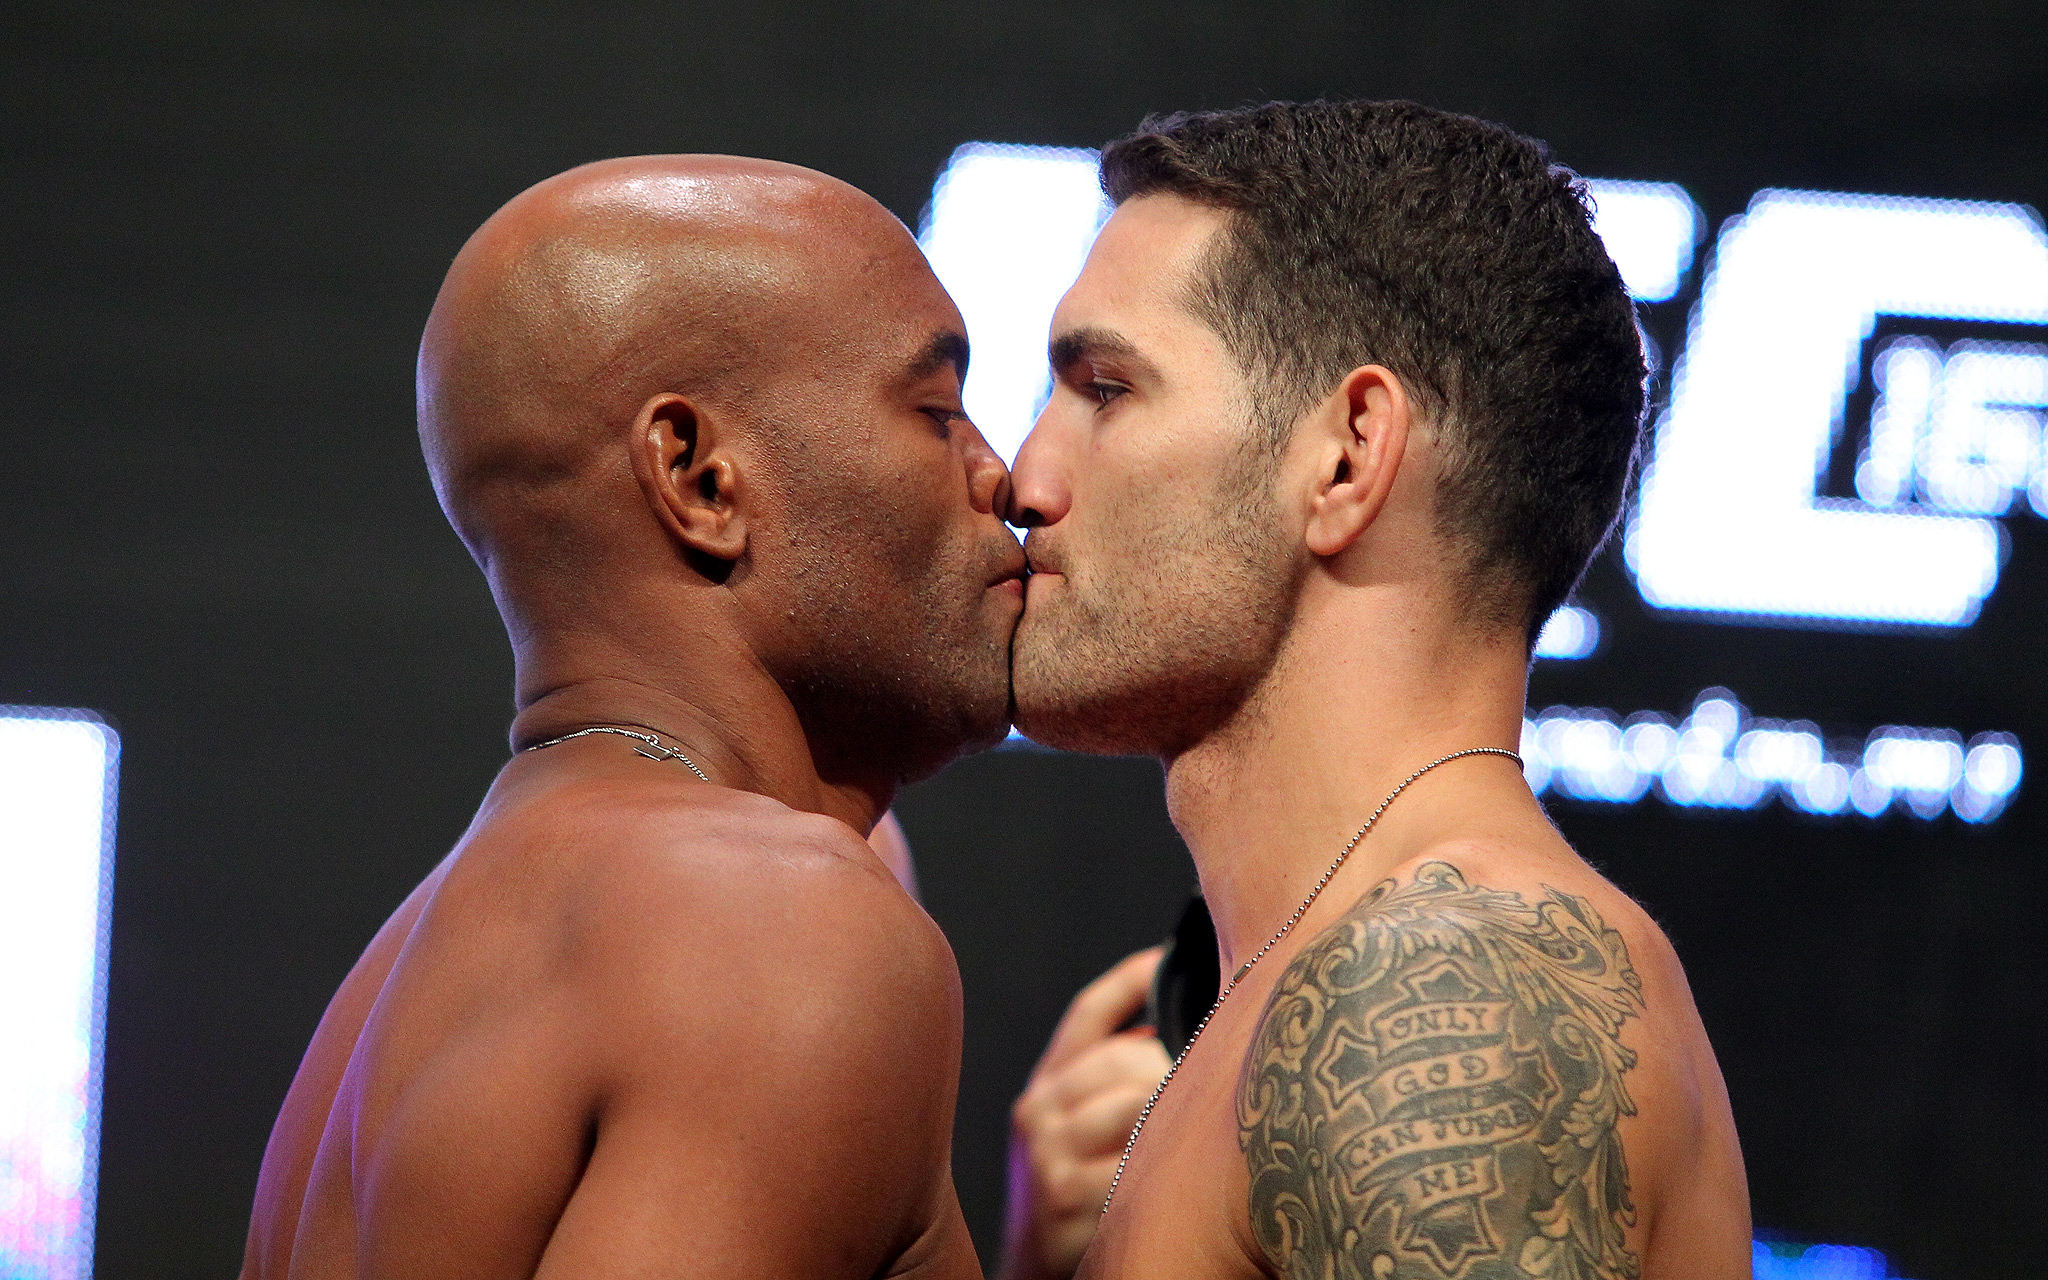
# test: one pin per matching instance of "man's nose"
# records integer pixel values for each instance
(988, 480)
(1039, 493)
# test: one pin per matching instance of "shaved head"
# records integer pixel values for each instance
(597, 288)
(713, 395)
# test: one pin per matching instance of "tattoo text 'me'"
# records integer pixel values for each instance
(1435, 1088)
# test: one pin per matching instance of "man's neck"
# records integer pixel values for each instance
(1267, 802)
(738, 727)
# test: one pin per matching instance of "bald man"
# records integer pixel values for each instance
(663, 1011)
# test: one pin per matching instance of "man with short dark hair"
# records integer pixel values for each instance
(663, 1012)
(1345, 398)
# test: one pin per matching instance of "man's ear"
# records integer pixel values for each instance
(682, 456)
(1363, 429)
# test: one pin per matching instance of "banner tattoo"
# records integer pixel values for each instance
(1435, 1087)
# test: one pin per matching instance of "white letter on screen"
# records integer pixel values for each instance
(1728, 520)
(1649, 229)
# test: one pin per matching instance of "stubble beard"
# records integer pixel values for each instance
(889, 653)
(908, 676)
(1162, 636)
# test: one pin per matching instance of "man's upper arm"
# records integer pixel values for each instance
(777, 1089)
(1435, 1089)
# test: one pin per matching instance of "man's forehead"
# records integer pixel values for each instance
(1152, 245)
(912, 320)
(1136, 282)
(882, 301)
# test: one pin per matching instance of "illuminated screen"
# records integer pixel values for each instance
(1732, 518)
(1776, 1261)
(1854, 394)
(57, 775)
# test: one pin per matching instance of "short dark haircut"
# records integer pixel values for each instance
(1453, 252)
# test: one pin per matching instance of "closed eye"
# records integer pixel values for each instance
(944, 418)
(1104, 392)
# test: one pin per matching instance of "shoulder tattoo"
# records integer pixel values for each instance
(1435, 1088)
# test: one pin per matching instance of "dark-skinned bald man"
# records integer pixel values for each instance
(662, 1011)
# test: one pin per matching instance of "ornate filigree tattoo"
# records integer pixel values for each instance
(1435, 1088)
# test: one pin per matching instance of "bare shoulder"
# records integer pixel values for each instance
(698, 912)
(1443, 1079)
(760, 1029)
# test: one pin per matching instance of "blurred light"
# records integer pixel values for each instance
(1958, 430)
(1991, 773)
(1007, 230)
(1982, 442)
(1729, 522)
(1649, 229)
(1569, 632)
(1774, 1261)
(1719, 757)
(1906, 371)
(1918, 766)
(57, 776)
(1825, 790)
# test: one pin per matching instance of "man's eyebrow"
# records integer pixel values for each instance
(1090, 344)
(944, 348)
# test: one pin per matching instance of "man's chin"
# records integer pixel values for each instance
(983, 741)
(1105, 708)
(988, 724)
(978, 722)
(1049, 709)
(1067, 725)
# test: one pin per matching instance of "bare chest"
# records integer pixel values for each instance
(1181, 1207)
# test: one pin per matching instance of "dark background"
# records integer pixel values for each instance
(225, 224)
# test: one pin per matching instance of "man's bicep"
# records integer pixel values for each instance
(768, 1108)
(751, 1197)
(756, 1168)
(1436, 1088)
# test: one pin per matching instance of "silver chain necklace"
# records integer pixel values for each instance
(658, 753)
(1274, 941)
